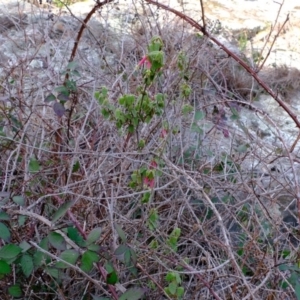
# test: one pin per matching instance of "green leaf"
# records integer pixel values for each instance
(105, 113)
(284, 284)
(53, 272)
(34, 165)
(187, 108)
(104, 91)
(15, 290)
(141, 144)
(153, 219)
(297, 290)
(102, 95)
(4, 232)
(62, 211)
(153, 244)
(235, 114)
(285, 253)
(199, 115)
(196, 128)
(71, 85)
(50, 98)
(120, 252)
(10, 251)
(146, 198)
(27, 264)
(75, 236)
(19, 200)
(57, 241)
(4, 216)
(72, 65)
(130, 128)
(94, 235)
(88, 258)
(172, 288)
(121, 233)
(112, 278)
(119, 115)
(59, 109)
(127, 258)
(21, 220)
(25, 246)
(69, 256)
(242, 148)
(62, 89)
(129, 100)
(38, 257)
(170, 276)
(76, 167)
(94, 247)
(180, 292)
(285, 267)
(63, 97)
(133, 294)
(4, 268)
(178, 279)
(109, 267)
(75, 73)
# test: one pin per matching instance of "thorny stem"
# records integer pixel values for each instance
(203, 15)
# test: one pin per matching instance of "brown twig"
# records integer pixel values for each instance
(272, 44)
(82, 27)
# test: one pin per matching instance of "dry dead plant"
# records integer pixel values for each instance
(191, 205)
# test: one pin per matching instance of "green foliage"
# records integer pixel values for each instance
(292, 279)
(126, 254)
(174, 290)
(34, 165)
(88, 259)
(4, 232)
(133, 109)
(133, 294)
(15, 291)
(70, 256)
(173, 239)
(62, 94)
(242, 40)
(153, 219)
(112, 277)
(63, 3)
(62, 210)
(25, 260)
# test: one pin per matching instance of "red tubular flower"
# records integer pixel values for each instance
(149, 182)
(145, 61)
(153, 164)
(163, 133)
